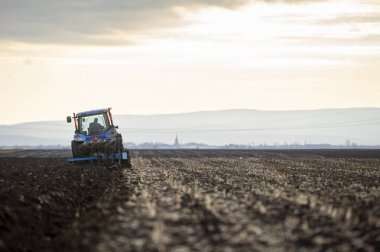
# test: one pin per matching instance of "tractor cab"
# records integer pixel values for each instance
(93, 124)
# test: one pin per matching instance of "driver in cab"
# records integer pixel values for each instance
(95, 127)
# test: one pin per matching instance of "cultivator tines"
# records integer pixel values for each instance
(110, 151)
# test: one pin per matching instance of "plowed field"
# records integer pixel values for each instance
(192, 200)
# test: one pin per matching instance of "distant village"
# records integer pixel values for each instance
(193, 145)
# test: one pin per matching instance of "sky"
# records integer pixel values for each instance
(159, 57)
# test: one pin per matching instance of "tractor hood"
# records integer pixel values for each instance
(111, 133)
(82, 138)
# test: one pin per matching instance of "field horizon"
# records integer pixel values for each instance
(235, 126)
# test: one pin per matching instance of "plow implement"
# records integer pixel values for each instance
(111, 152)
(118, 159)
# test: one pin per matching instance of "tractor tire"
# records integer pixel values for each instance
(127, 162)
(75, 149)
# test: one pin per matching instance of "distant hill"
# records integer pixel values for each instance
(240, 126)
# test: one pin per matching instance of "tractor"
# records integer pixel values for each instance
(96, 139)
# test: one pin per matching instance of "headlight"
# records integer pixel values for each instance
(79, 137)
(111, 133)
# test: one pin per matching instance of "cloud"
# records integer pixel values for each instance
(350, 19)
(362, 40)
(91, 21)
(96, 21)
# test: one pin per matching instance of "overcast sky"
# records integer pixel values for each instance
(150, 57)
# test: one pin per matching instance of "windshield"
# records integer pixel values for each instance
(93, 125)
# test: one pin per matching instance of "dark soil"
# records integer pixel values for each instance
(186, 200)
(40, 197)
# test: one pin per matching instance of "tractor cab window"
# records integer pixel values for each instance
(93, 125)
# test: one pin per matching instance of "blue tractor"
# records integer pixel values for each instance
(96, 139)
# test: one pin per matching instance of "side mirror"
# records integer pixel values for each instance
(68, 119)
(116, 127)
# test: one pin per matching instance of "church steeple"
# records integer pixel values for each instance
(176, 141)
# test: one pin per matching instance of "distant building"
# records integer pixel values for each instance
(176, 141)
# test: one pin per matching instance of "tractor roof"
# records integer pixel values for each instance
(92, 112)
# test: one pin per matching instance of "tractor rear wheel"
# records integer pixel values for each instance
(127, 162)
(124, 162)
(75, 149)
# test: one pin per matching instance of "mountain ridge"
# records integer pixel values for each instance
(237, 126)
(213, 111)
